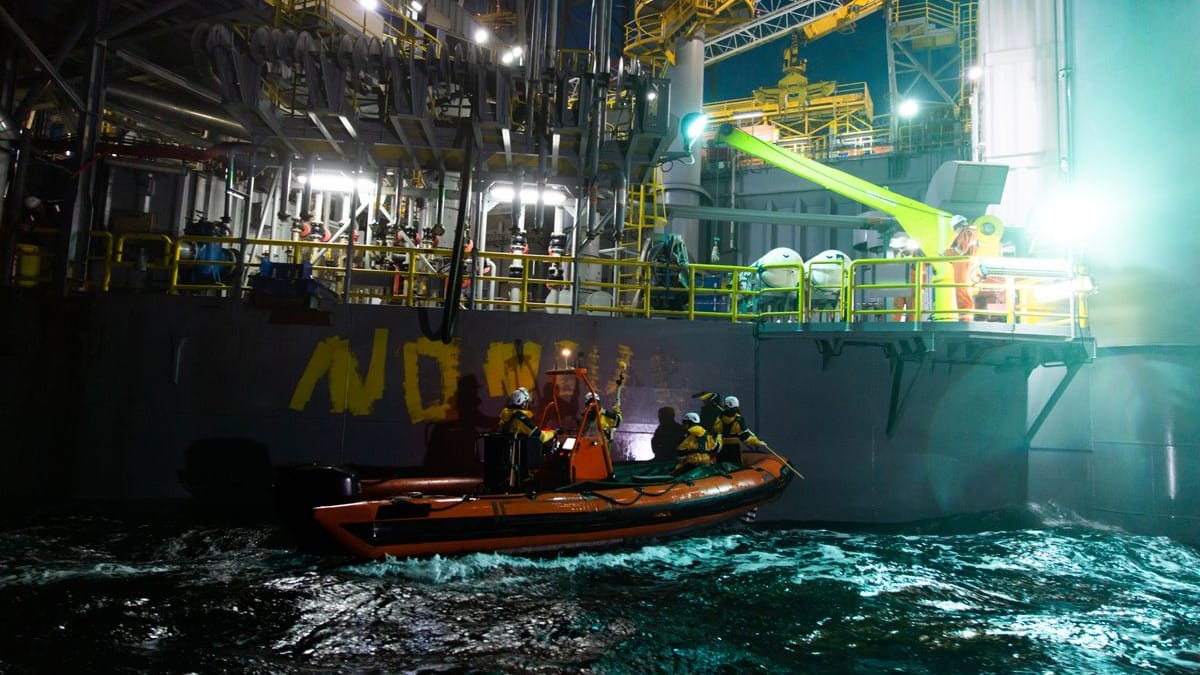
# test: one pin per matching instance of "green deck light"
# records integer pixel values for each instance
(692, 126)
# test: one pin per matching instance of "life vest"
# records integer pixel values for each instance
(517, 421)
(734, 430)
(697, 440)
(609, 419)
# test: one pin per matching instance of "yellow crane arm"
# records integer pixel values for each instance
(931, 227)
(928, 225)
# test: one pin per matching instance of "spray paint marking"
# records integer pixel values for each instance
(624, 358)
(510, 365)
(348, 390)
(446, 357)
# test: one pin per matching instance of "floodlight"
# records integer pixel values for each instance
(908, 108)
(692, 126)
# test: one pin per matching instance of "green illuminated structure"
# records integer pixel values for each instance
(930, 226)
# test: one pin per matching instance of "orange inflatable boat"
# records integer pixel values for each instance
(588, 514)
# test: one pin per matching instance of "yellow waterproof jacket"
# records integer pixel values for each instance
(696, 449)
(519, 422)
(697, 440)
(610, 418)
(732, 428)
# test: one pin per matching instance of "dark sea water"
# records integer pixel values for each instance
(1026, 592)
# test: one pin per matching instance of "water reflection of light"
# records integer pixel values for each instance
(641, 450)
(1171, 460)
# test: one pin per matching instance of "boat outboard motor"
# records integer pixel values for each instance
(510, 462)
(300, 489)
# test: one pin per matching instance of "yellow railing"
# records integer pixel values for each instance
(104, 260)
(895, 290)
(939, 13)
(1014, 297)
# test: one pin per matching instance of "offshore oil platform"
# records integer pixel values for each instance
(337, 230)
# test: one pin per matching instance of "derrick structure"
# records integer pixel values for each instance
(816, 119)
(932, 47)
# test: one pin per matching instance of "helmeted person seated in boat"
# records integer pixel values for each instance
(731, 428)
(610, 418)
(516, 419)
(696, 448)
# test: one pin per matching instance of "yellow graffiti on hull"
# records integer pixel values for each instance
(624, 358)
(510, 365)
(446, 357)
(507, 365)
(348, 390)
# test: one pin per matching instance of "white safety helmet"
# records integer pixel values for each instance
(692, 418)
(520, 397)
(589, 397)
(731, 402)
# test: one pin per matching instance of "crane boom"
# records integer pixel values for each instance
(929, 226)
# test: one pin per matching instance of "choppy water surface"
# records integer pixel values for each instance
(1040, 595)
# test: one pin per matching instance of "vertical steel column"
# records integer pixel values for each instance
(8, 78)
(74, 236)
(285, 191)
(229, 173)
(353, 231)
(687, 95)
(893, 88)
(306, 194)
(239, 270)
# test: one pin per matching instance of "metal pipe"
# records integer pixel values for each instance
(454, 292)
(239, 271)
(620, 195)
(73, 241)
(229, 187)
(149, 167)
(552, 38)
(182, 197)
(285, 191)
(537, 36)
(778, 217)
(168, 76)
(518, 203)
(353, 223)
(441, 201)
(306, 193)
(200, 200)
(205, 118)
(1065, 71)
